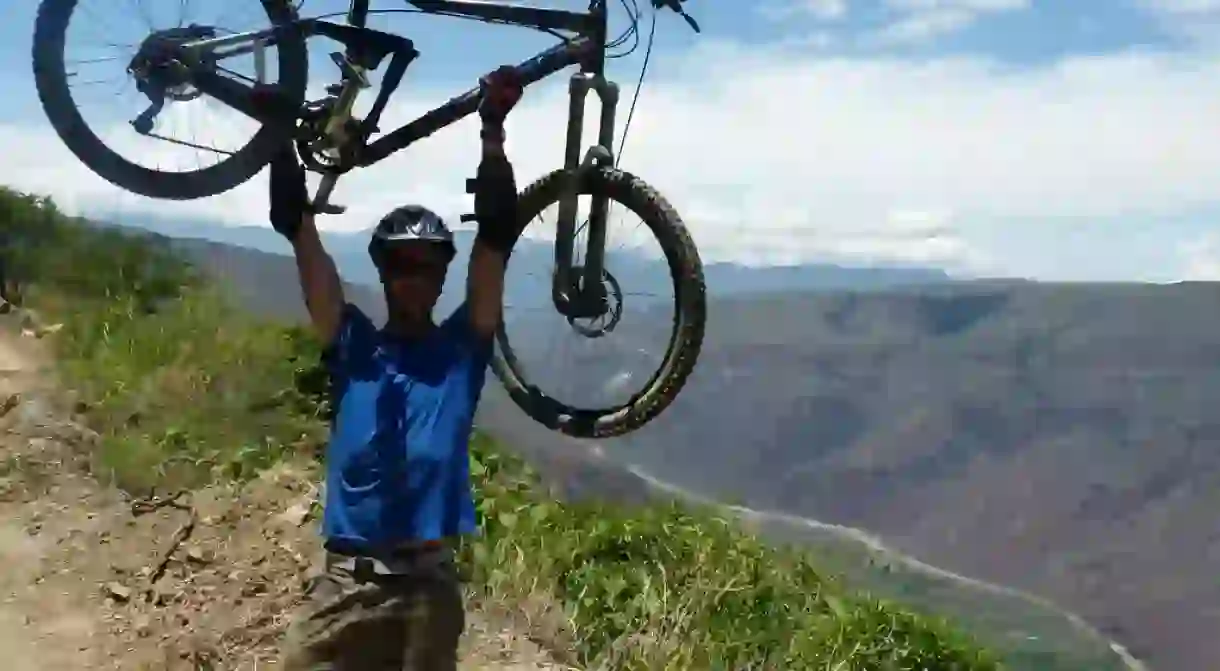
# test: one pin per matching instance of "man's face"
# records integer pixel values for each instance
(413, 275)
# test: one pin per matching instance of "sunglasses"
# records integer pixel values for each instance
(409, 261)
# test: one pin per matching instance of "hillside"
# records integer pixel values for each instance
(1029, 631)
(181, 391)
(1054, 438)
(1060, 439)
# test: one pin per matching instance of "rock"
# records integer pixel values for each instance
(9, 403)
(162, 593)
(254, 588)
(199, 556)
(298, 513)
(142, 626)
(32, 326)
(29, 319)
(118, 591)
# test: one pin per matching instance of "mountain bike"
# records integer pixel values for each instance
(184, 62)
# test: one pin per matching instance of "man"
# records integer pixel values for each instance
(397, 466)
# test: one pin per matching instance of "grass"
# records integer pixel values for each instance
(185, 389)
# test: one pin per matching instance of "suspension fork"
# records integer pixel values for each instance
(584, 295)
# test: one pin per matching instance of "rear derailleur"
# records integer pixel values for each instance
(159, 74)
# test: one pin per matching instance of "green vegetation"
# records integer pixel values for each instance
(185, 389)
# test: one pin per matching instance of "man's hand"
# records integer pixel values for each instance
(495, 204)
(500, 91)
(495, 191)
(289, 198)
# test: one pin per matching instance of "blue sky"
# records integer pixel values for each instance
(1058, 140)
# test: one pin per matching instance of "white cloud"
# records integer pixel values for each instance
(968, 5)
(1195, 21)
(1200, 258)
(909, 236)
(921, 21)
(922, 26)
(1182, 7)
(787, 157)
(821, 10)
(825, 9)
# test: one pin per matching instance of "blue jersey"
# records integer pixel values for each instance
(397, 466)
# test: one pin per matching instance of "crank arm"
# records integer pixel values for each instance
(321, 200)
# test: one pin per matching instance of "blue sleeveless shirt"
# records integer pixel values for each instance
(397, 465)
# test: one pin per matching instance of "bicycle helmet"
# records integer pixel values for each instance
(411, 223)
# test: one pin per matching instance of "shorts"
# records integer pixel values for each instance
(404, 613)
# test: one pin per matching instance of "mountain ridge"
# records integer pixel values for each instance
(349, 250)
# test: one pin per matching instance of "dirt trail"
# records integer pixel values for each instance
(91, 580)
(41, 625)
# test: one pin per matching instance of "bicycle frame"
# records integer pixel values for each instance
(574, 296)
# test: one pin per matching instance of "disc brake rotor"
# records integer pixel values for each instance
(599, 326)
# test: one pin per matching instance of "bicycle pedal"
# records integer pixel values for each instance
(330, 208)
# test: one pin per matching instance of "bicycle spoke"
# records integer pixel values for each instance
(193, 145)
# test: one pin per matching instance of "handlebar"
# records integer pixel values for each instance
(676, 5)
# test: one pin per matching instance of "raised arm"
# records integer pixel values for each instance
(291, 216)
(495, 205)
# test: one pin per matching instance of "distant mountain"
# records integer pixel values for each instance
(349, 250)
(265, 284)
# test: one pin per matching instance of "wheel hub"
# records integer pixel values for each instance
(610, 314)
(157, 65)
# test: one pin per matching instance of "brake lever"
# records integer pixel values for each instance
(691, 22)
(676, 5)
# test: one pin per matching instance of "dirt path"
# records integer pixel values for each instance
(90, 580)
(41, 626)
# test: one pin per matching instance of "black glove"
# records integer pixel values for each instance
(289, 199)
(499, 92)
(495, 203)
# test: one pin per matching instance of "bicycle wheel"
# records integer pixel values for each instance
(52, 75)
(685, 334)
